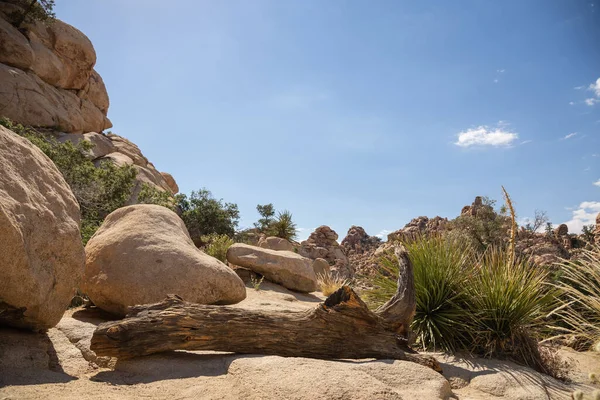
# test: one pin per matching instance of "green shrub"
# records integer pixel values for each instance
(217, 245)
(579, 308)
(204, 215)
(98, 190)
(487, 228)
(150, 194)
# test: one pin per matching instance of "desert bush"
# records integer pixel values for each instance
(329, 282)
(204, 215)
(579, 309)
(488, 227)
(98, 190)
(217, 245)
(150, 194)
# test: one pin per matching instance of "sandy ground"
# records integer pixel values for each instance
(59, 365)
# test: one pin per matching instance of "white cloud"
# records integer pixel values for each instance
(570, 135)
(526, 141)
(383, 233)
(486, 136)
(597, 183)
(500, 71)
(584, 215)
(595, 87)
(591, 101)
(571, 103)
(495, 80)
(579, 87)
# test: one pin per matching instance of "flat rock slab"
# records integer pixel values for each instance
(286, 268)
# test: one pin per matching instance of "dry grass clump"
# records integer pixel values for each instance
(329, 283)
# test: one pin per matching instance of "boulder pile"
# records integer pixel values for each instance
(322, 243)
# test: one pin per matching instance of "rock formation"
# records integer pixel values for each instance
(422, 226)
(42, 256)
(47, 80)
(322, 243)
(142, 253)
(286, 268)
(47, 76)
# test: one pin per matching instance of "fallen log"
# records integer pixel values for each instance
(342, 327)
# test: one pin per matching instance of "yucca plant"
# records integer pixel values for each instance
(509, 301)
(283, 226)
(579, 309)
(442, 272)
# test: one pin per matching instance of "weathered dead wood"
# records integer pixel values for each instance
(340, 328)
(399, 311)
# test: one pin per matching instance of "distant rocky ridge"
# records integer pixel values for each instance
(363, 251)
(47, 80)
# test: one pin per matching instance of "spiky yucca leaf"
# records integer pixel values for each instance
(579, 286)
(509, 300)
(442, 270)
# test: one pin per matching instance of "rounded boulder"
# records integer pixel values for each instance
(41, 257)
(142, 253)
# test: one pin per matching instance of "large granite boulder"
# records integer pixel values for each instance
(42, 258)
(286, 268)
(142, 253)
(47, 76)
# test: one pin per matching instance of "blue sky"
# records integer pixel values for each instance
(355, 112)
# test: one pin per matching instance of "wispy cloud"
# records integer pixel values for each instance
(483, 135)
(585, 214)
(500, 71)
(526, 141)
(595, 87)
(383, 233)
(591, 101)
(570, 135)
(571, 103)
(597, 183)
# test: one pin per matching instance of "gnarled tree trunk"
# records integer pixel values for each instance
(341, 327)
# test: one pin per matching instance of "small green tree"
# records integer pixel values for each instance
(204, 215)
(267, 213)
(549, 230)
(283, 226)
(588, 232)
(540, 219)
